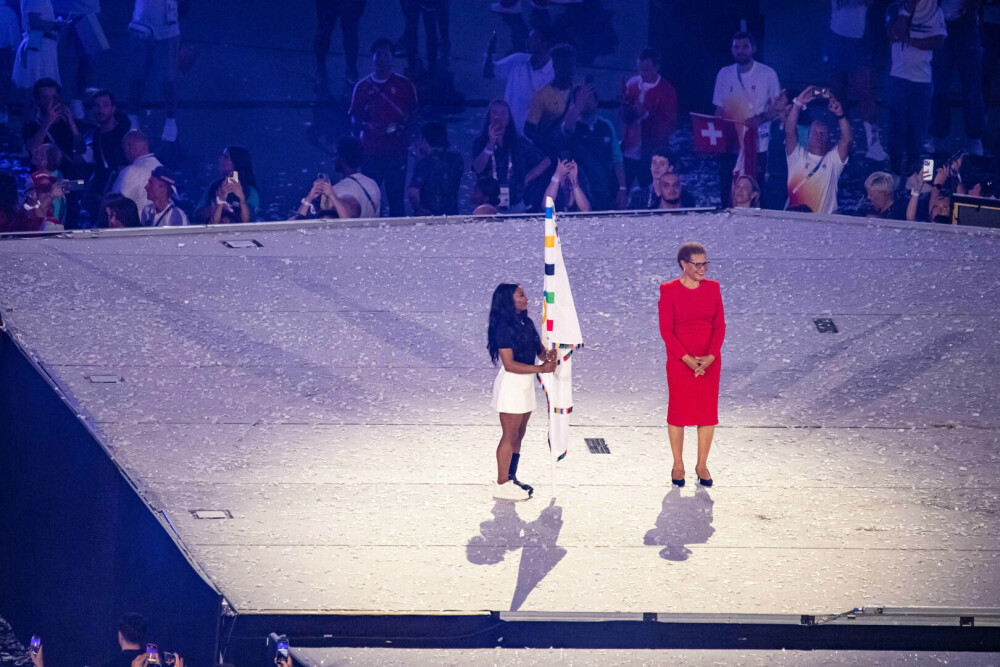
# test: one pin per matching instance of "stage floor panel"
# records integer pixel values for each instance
(330, 390)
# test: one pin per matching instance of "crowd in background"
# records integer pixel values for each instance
(548, 135)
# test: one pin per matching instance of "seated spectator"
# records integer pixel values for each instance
(649, 197)
(37, 211)
(567, 189)
(880, 200)
(132, 180)
(671, 192)
(437, 175)
(45, 159)
(233, 197)
(119, 211)
(510, 159)
(592, 142)
(746, 192)
(131, 639)
(813, 174)
(162, 211)
(8, 199)
(939, 203)
(106, 149)
(485, 196)
(355, 196)
(987, 188)
(54, 122)
(650, 113)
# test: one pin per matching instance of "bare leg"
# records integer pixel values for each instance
(705, 435)
(676, 435)
(520, 432)
(510, 424)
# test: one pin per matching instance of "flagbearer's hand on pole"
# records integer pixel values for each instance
(547, 366)
(552, 355)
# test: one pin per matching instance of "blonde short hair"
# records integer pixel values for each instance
(879, 181)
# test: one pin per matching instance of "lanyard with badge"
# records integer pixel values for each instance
(504, 187)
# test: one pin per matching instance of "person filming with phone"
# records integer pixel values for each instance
(814, 170)
(355, 196)
(232, 197)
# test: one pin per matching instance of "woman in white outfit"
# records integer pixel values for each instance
(37, 56)
(512, 339)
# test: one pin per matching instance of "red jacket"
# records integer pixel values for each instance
(384, 111)
(660, 105)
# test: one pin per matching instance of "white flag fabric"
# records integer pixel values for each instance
(561, 331)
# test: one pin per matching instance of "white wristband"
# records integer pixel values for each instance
(555, 179)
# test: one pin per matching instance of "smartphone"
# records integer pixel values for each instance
(565, 155)
(281, 652)
(36, 645)
(323, 177)
(824, 93)
(169, 658)
(927, 171)
(152, 654)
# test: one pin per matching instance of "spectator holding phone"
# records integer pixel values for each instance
(53, 123)
(566, 189)
(355, 196)
(814, 170)
(502, 154)
(233, 197)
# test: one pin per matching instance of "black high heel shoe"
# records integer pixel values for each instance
(702, 480)
(676, 482)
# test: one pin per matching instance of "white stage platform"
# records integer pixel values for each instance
(330, 390)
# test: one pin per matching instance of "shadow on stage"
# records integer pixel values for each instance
(683, 520)
(509, 532)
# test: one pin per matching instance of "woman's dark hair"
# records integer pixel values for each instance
(242, 164)
(8, 193)
(124, 209)
(509, 132)
(503, 313)
(687, 250)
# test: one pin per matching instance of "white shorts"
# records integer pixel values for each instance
(513, 393)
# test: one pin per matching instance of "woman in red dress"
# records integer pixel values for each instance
(693, 327)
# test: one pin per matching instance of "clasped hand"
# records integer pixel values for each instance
(551, 359)
(699, 364)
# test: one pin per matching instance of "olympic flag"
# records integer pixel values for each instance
(560, 331)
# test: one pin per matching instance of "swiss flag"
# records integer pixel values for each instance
(714, 135)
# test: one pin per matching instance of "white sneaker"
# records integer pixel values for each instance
(170, 129)
(507, 491)
(876, 152)
(976, 147)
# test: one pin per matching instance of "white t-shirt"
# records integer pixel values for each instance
(523, 81)
(742, 95)
(158, 15)
(909, 62)
(132, 180)
(812, 179)
(171, 216)
(848, 18)
(356, 185)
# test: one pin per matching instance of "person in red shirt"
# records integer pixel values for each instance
(693, 327)
(383, 109)
(650, 116)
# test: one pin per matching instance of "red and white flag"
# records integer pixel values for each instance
(713, 134)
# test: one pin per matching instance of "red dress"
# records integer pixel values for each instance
(691, 322)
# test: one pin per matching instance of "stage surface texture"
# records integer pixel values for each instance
(327, 388)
